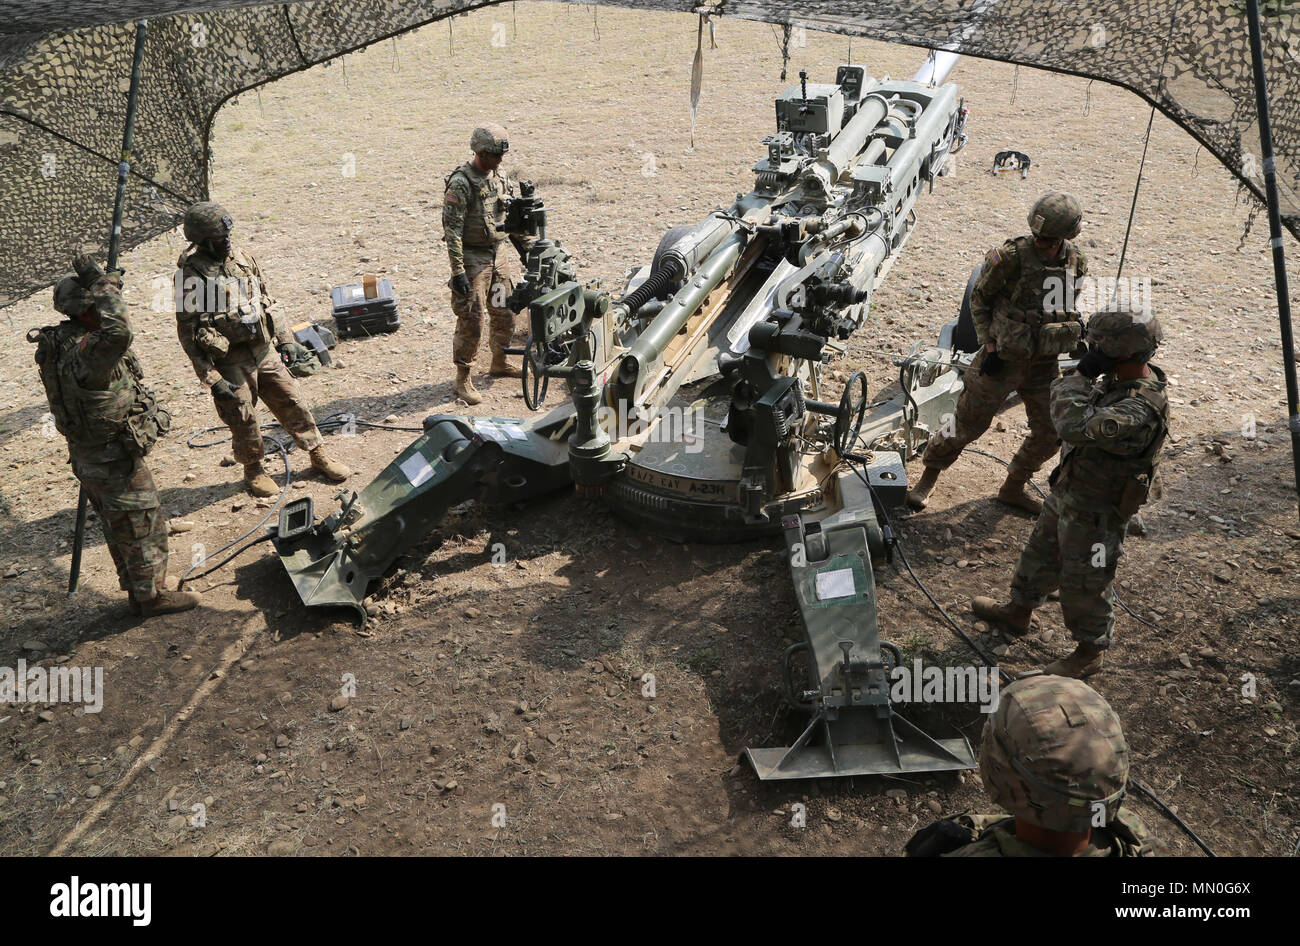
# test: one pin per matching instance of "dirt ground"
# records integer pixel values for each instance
(479, 684)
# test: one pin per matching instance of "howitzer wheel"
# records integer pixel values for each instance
(535, 379)
(853, 409)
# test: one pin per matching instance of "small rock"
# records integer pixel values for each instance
(177, 823)
(405, 723)
(897, 794)
(833, 814)
(472, 613)
(339, 702)
(227, 460)
(391, 419)
(281, 741)
(93, 791)
(11, 573)
(177, 526)
(35, 646)
(1185, 661)
(238, 504)
(280, 848)
(46, 716)
(935, 807)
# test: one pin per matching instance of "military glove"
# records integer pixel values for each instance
(1095, 363)
(291, 352)
(223, 390)
(460, 284)
(992, 364)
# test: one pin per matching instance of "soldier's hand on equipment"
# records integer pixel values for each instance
(992, 364)
(292, 352)
(87, 270)
(224, 391)
(460, 284)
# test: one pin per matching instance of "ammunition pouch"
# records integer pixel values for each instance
(146, 423)
(1058, 338)
(1013, 337)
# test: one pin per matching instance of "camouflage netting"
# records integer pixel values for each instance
(65, 67)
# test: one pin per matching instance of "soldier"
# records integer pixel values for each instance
(101, 405)
(473, 206)
(1054, 755)
(226, 324)
(1113, 415)
(1023, 309)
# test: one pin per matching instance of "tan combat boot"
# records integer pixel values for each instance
(465, 387)
(258, 483)
(1014, 492)
(503, 369)
(330, 469)
(165, 602)
(918, 494)
(1084, 662)
(1011, 617)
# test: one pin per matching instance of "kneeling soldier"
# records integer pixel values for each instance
(1055, 757)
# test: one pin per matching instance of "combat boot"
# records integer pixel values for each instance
(165, 602)
(330, 469)
(258, 483)
(1014, 492)
(918, 494)
(1084, 662)
(465, 387)
(1011, 617)
(503, 369)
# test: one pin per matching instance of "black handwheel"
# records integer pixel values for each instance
(535, 379)
(853, 410)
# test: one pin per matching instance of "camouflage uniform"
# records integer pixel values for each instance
(473, 206)
(1113, 432)
(226, 324)
(995, 836)
(1053, 754)
(100, 403)
(1013, 304)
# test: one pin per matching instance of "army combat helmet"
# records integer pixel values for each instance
(1056, 216)
(70, 297)
(207, 220)
(1125, 332)
(489, 138)
(1054, 754)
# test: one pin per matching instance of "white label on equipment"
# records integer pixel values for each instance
(836, 584)
(514, 430)
(356, 292)
(490, 430)
(417, 468)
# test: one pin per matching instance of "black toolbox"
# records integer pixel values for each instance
(365, 308)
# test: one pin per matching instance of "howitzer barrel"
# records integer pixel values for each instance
(844, 149)
(650, 346)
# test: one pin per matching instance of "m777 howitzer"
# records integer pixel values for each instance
(696, 405)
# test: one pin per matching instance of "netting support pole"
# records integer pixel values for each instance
(114, 241)
(1275, 236)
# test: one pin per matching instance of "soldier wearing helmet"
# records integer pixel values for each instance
(474, 205)
(100, 403)
(1112, 416)
(1022, 305)
(227, 323)
(1054, 756)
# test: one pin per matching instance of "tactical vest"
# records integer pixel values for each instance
(122, 420)
(231, 310)
(1088, 471)
(1035, 317)
(487, 205)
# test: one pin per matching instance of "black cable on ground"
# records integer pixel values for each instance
(893, 538)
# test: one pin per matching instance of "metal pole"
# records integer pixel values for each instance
(1275, 235)
(114, 243)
